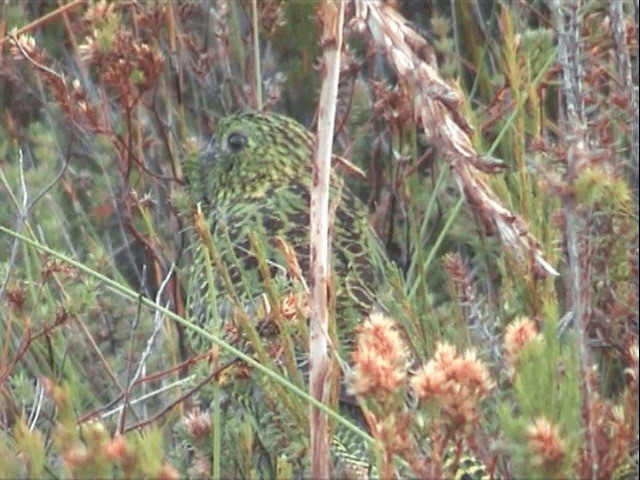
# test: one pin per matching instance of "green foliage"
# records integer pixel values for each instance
(106, 111)
(595, 187)
(85, 451)
(546, 385)
(31, 446)
(296, 44)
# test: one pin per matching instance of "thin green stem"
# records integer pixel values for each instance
(132, 295)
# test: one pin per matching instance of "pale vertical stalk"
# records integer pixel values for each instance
(172, 35)
(627, 88)
(630, 91)
(332, 15)
(567, 20)
(256, 55)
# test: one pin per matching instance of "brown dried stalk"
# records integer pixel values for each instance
(437, 108)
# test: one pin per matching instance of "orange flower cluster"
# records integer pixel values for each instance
(455, 382)
(116, 448)
(518, 334)
(380, 358)
(545, 444)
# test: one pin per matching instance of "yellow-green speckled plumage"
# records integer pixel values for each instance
(254, 178)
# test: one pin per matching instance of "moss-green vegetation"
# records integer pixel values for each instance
(104, 105)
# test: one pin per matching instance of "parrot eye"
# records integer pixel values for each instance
(236, 142)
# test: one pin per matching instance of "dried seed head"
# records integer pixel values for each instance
(454, 382)
(75, 457)
(100, 13)
(518, 334)
(294, 306)
(380, 358)
(24, 44)
(168, 472)
(197, 424)
(200, 466)
(116, 449)
(545, 444)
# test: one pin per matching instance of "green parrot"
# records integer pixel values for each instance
(252, 183)
(254, 178)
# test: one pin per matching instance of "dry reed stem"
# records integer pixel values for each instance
(567, 23)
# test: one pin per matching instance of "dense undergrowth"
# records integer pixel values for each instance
(102, 102)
